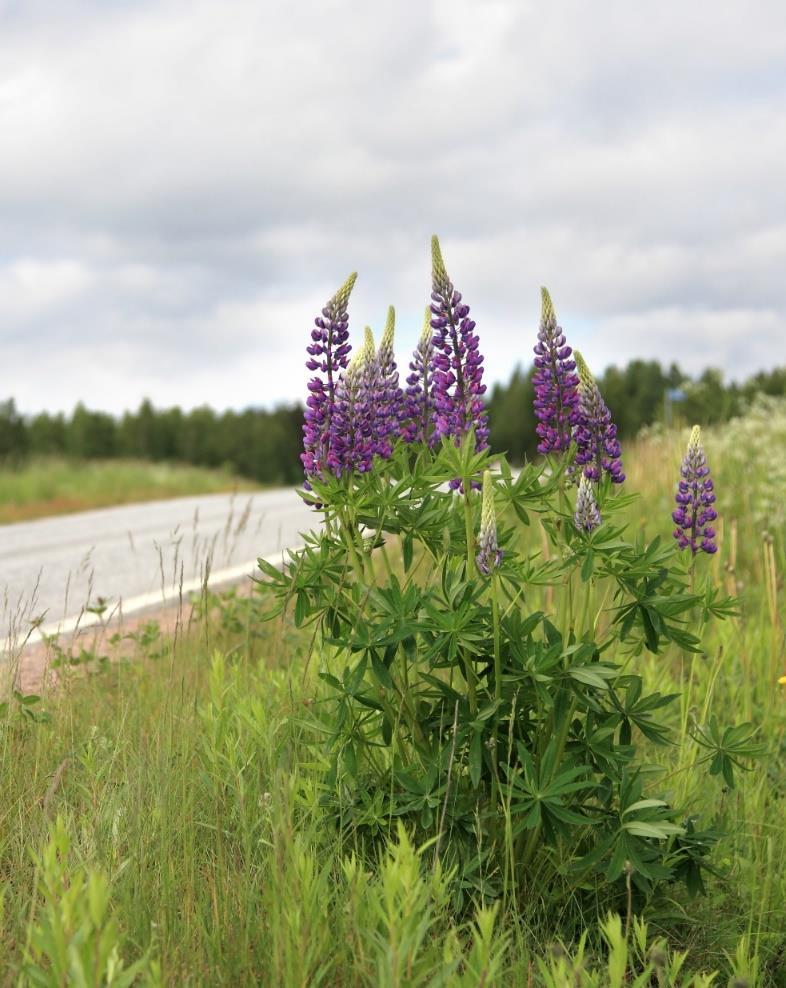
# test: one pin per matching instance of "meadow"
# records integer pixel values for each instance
(167, 817)
(48, 485)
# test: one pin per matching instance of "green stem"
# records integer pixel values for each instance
(469, 529)
(497, 650)
(386, 561)
(497, 681)
(562, 737)
(582, 627)
(687, 695)
(354, 556)
(564, 505)
(469, 672)
(568, 610)
(529, 847)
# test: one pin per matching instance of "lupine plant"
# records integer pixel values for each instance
(695, 498)
(491, 701)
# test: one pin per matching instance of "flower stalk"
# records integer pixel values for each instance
(695, 498)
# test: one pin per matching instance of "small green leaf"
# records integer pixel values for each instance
(381, 671)
(407, 552)
(644, 804)
(658, 831)
(301, 608)
(595, 675)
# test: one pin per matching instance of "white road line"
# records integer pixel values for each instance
(88, 619)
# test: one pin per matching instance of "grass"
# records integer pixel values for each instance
(167, 808)
(52, 486)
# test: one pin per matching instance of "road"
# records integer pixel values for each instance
(137, 555)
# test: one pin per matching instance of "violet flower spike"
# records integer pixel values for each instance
(351, 426)
(555, 382)
(390, 398)
(587, 516)
(695, 498)
(328, 356)
(458, 387)
(598, 448)
(489, 553)
(419, 426)
(368, 395)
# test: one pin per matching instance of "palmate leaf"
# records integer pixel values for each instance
(538, 793)
(728, 747)
(642, 836)
(528, 490)
(628, 850)
(689, 856)
(637, 710)
(719, 607)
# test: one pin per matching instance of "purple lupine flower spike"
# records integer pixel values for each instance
(595, 433)
(390, 397)
(555, 382)
(328, 356)
(351, 427)
(458, 364)
(420, 421)
(587, 516)
(695, 499)
(489, 553)
(368, 394)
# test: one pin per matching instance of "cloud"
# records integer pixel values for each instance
(32, 290)
(184, 184)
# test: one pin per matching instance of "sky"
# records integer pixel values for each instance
(184, 185)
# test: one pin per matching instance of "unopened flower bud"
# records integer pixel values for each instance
(489, 554)
(587, 516)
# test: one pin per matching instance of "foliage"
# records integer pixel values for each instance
(186, 778)
(194, 781)
(73, 939)
(636, 961)
(505, 735)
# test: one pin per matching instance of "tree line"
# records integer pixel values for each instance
(264, 445)
(638, 395)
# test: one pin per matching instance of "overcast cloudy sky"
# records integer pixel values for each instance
(182, 185)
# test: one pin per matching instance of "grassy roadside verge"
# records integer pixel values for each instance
(168, 806)
(186, 786)
(51, 486)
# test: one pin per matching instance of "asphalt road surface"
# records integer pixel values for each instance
(136, 555)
